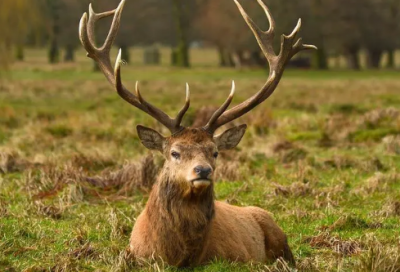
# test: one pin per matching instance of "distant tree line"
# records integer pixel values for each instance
(337, 27)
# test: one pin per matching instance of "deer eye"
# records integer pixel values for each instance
(175, 155)
(215, 155)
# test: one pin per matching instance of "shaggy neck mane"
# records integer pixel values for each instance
(180, 224)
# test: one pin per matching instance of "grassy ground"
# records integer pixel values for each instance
(322, 155)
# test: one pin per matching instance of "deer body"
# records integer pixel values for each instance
(185, 227)
(234, 234)
(182, 223)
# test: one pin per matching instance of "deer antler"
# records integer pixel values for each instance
(102, 57)
(289, 48)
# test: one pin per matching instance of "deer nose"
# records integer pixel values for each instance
(203, 171)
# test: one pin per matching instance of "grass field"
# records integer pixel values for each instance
(322, 155)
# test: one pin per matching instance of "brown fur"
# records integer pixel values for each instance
(187, 227)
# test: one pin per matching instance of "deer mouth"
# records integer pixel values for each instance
(201, 183)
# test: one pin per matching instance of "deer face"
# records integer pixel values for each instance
(191, 155)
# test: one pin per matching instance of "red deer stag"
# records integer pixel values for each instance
(182, 223)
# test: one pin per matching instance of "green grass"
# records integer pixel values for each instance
(315, 156)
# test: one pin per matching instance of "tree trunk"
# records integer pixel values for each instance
(69, 54)
(391, 61)
(182, 50)
(238, 59)
(125, 56)
(151, 55)
(229, 59)
(225, 57)
(352, 58)
(54, 52)
(4, 57)
(320, 59)
(222, 59)
(257, 59)
(19, 53)
(374, 58)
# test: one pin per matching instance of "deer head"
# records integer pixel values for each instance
(191, 153)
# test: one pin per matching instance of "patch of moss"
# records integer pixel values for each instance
(372, 134)
(346, 109)
(60, 131)
(305, 136)
(3, 136)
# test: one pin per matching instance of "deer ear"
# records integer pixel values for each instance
(150, 138)
(230, 138)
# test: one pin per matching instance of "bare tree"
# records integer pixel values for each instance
(379, 36)
(393, 28)
(17, 18)
(69, 20)
(220, 23)
(343, 33)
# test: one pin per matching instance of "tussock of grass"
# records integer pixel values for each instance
(229, 171)
(379, 258)
(132, 176)
(343, 247)
(11, 162)
(260, 122)
(379, 182)
(378, 117)
(50, 181)
(91, 161)
(202, 116)
(48, 210)
(392, 144)
(295, 189)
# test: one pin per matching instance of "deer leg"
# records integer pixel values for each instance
(276, 245)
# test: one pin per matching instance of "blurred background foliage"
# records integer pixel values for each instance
(340, 28)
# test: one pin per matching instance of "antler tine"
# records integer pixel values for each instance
(276, 62)
(220, 111)
(87, 28)
(269, 16)
(264, 38)
(113, 74)
(138, 101)
(185, 107)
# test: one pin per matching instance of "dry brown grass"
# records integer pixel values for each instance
(379, 182)
(3, 208)
(12, 162)
(229, 170)
(296, 189)
(138, 175)
(48, 210)
(392, 144)
(48, 181)
(203, 115)
(343, 247)
(380, 258)
(375, 117)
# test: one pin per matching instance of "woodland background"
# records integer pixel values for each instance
(339, 28)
